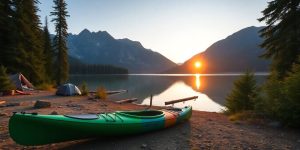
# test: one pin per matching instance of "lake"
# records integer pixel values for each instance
(211, 89)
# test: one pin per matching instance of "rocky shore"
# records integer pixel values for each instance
(205, 130)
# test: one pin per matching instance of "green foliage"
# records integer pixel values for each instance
(84, 89)
(272, 95)
(289, 110)
(48, 52)
(281, 100)
(281, 42)
(46, 86)
(101, 93)
(9, 56)
(25, 47)
(29, 41)
(281, 34)
(60, 47)
(244, 115)
(80, 68)
(5, 82)
(243, 94)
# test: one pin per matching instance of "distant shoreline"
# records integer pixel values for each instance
(163, 74)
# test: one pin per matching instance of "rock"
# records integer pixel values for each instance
(103, 105)
(90, 98)
(42, 104)
(144, 146)
(237, 122)
(72, 105)
(13, 104)
(3, 114)
(53, 113)
(274, 124)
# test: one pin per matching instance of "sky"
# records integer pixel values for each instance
(178, 29)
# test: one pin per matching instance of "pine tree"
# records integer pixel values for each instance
(8, 53)
(243, 94)
(29, 40)
(289, 108)
(282, 42)
(48, 52)
(60, 13)
(5, 82)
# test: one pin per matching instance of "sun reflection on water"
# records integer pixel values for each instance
(197, 81)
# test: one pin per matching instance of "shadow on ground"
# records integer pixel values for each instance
(177, 137)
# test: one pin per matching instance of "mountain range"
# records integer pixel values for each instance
(236, 53)
(101, 48)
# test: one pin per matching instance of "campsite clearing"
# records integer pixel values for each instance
(205, 130)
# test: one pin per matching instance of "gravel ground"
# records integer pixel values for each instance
(205, 130)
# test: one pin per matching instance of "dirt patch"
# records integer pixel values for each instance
(205, 130)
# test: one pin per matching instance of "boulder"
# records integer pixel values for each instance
(42, 104)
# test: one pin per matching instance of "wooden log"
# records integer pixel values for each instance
(180, 100)
(115, 92)
(110, 92)
(130, 100)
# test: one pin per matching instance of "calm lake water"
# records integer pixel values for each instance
(211, 89)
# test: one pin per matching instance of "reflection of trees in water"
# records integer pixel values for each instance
(140, 87)
(94, 81)
(215, 87)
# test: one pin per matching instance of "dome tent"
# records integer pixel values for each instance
(68, 90)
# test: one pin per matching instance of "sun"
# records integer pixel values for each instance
(198, 64)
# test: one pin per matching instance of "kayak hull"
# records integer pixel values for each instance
(34, 129)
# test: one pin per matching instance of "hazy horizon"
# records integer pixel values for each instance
(176, 29)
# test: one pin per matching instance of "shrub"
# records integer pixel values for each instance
(46, 87)
(282, 98)
(289, 108)
(5, 82)
(272, 95)
(84, 89)
(245, 115)
(243, 95)
(101, 93)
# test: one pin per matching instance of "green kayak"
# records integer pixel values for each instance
(36, 129)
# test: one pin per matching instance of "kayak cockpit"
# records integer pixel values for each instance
(142, 114)
(83, 116)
